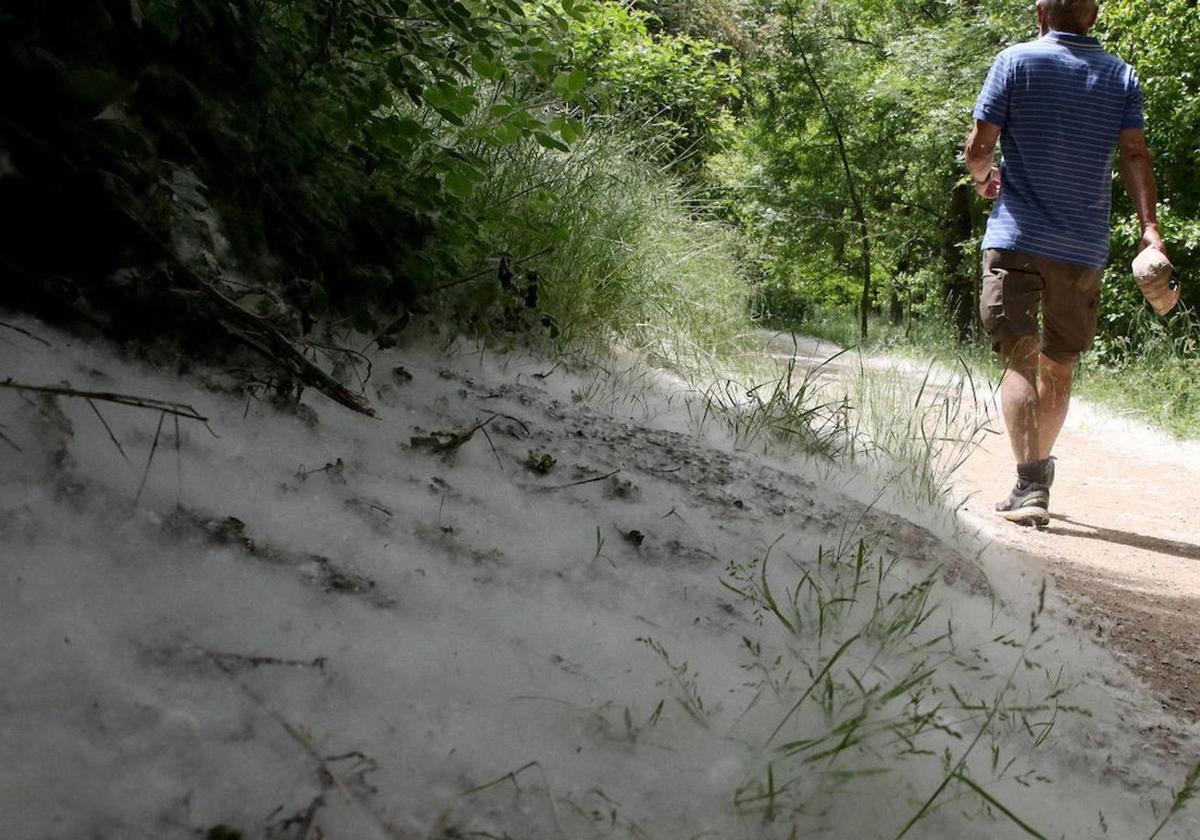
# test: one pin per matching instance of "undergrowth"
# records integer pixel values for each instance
(618, 247)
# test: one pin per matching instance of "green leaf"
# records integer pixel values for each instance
(570, 84)
(408, 127)
(450, 117)
(561, 84)
(506, 134)
(551, 142)
(401, 72)
(570, 130)
(458, 182)
(487, 68)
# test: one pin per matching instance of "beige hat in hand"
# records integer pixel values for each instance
(1156, 278)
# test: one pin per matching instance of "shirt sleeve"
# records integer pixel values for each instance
(992, 104)
(1132, 117)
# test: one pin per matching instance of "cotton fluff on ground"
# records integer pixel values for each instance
(311, 626)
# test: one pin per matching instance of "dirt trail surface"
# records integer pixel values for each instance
(1123, 544)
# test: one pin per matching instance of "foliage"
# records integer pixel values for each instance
(901, 79)
(308, 124)
(1163, 43)
(675, 87)
(615, 247)
(358, 157)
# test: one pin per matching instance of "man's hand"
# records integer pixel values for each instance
(979, 155)
(990, 187)
(1151, 238)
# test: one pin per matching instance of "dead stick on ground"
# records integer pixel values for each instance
(578, 483)
(302, 738)
(25, 332)
(108, 429)
(496, 414)
(247, 326)
(10, 442)
(500, 463)
(150, 460)
(511, 774)
(179, 409)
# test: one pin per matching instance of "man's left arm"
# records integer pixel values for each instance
(980, 154)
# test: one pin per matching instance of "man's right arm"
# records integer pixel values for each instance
(1137, 171)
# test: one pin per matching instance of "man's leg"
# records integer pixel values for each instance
(1026, 416)
(1011, 296)
(1019, 397)
(1053, 400)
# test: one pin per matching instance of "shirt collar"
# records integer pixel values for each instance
(1070, 39)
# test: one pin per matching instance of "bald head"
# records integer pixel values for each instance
(1076, 16)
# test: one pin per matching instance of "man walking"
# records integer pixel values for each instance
(1059, 106)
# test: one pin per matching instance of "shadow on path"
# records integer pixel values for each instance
(1092, 532)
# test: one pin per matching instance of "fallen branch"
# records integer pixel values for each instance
(244, 325)
(25, 332)
(112, 436)
(165, 406)
(150, 460)
(250, 328)
(305, 742)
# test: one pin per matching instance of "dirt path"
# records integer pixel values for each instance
(1124, 540)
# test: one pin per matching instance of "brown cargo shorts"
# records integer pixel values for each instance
(1017, 286)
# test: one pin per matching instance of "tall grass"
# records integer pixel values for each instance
(622, 248)
(1157, 379)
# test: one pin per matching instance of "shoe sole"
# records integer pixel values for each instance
(1030, 516)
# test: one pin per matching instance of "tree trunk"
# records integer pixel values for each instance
(860, 216)
(959, 286)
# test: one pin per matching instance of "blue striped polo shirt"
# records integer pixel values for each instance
(1061, 102)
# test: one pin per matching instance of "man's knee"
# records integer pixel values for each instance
(1057, 375)
(1019, 353)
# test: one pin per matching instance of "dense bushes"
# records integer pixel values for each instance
(365, 159)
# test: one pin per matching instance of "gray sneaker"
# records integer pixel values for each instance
(1029, 501)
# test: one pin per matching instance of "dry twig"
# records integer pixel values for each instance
(25, 332)
(150, 460)
(10, 441)
(259, 335)
(165, 406)
(578, 483)
(303, 739)
(496, 414)
(111, 434)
